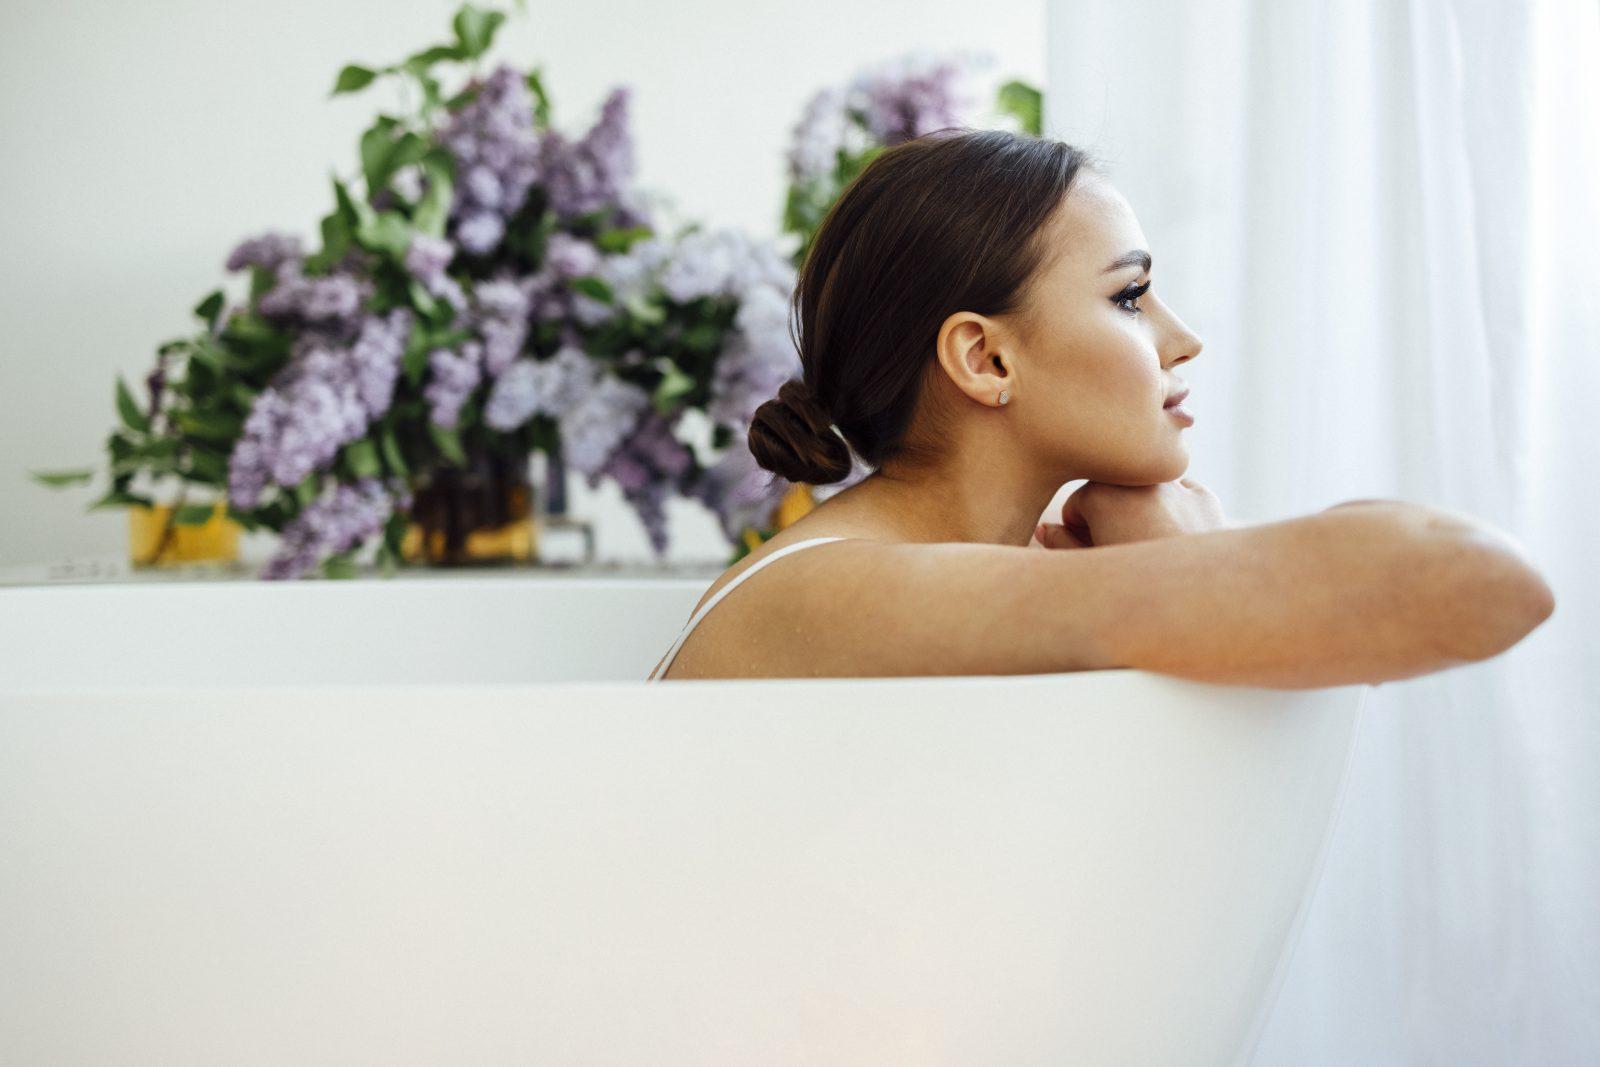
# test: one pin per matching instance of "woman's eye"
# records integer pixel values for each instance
(1130, 294)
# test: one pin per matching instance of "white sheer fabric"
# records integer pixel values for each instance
(1383, 218)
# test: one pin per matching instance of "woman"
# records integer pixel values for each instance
(977, 319)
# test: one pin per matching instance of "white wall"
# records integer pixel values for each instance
(143, 140)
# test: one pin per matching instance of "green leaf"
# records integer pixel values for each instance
(387, 232)
(353, 78)
(336, 236)
(60, 478)
(423, 301)
(449, 443)
(383, 153)
(390, 446)
(306, 491)
(132, 417)
(362, 455)
(115, 498)
(213, 426)
(261, 279)
(210, 467)
(209, 308)
(674, 384)
(416, 357)
(541, 100)
(193, 514)
(341, 566)
(1025, 102)
(243, 518)
(594, 287)
(433, 210)
(703, 337)
(418, 62)
(394, 532)
(619, 240)
(475, 29)
(349, 208)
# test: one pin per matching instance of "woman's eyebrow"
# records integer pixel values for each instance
(1138, 257)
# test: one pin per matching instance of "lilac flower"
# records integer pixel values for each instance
(321, 400)
(548, 386)
(500, 317)
(337, 521)
(375, 358)
(815, 140)
(739, 491)
(648, 463)
(897, 100)
(497, 155)
(270, 251)
(566, 256)
(330, 304)
(481, 232)
(916, 93)
(591, 173)
(453, 377)
(427, 258)
(758, 357)
(705, 264)
(593, 428)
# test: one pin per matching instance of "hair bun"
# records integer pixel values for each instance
(792, 436)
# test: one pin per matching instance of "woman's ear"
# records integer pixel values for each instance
(966, 348)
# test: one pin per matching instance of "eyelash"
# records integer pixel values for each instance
(1133, 292)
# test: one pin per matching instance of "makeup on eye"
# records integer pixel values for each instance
(1132, 292)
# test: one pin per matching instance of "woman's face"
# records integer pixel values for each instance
(1098, 348)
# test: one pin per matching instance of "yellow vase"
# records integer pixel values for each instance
(795, 503)
(154, 540)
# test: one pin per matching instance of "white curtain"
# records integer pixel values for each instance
(1383, 218)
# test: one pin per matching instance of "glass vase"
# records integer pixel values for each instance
(477, 515)
(565, 540)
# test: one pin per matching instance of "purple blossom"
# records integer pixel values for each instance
(548, 386)
(500, 308)
(566, 256)
(497, 156)
(649, 462)
(330, 304)
(758, 357)
(342, 518)
(605, 414)
(815, 140)
(270, 251)
(739, 491)
(591, 173)
(897, 100)
(427, 258)
(375, 358)
(321, 400)
(452, 379)
(915, 94)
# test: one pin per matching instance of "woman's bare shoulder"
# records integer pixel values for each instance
(857, 606)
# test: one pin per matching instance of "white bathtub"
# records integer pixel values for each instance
(223, 844)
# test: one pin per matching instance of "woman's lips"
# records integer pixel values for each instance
(1175, 399)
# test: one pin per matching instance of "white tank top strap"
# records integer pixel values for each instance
(724, 591)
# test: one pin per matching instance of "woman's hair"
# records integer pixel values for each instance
(943, 223)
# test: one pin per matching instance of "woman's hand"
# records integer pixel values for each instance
(1099, 514)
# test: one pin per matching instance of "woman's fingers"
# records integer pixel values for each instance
(1055, 535)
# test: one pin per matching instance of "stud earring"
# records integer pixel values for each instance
(1004, 396)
